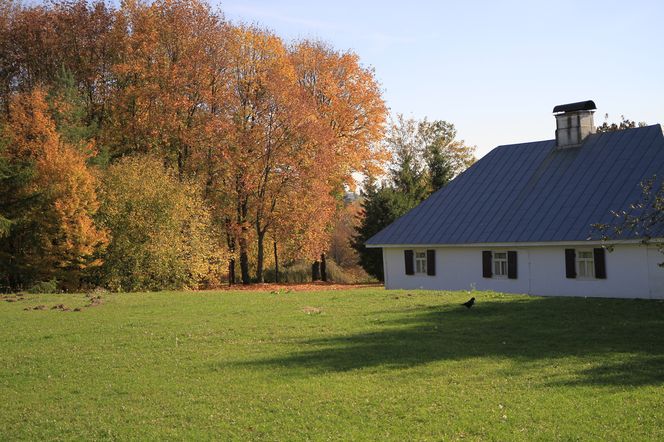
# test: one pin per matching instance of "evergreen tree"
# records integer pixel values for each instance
(381, 205)
(69, 111)
(426, 157)
(16, 197)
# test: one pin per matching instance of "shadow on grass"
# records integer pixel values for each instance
(621, 340)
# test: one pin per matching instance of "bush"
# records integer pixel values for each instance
(44, 287)
(337, 274)
(299, 272)
(162, 234)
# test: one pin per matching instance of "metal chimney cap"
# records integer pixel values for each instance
(578, 106)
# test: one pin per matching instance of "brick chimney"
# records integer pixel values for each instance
(574, 122)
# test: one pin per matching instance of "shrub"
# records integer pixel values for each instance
(162, 231)
(299, 272)
(43, 287)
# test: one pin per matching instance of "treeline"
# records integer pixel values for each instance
(156, 145)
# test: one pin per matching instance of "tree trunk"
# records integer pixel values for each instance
(242, 210)
(323, 268)
(276, 264)
(244, 259)
(315, 271)
(230, 241)
(231, 271)
(260, 256)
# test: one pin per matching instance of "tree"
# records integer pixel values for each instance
(162, 231)
(381, 205)
(408, 173)
(164, 82)
(298, 123)
(39, 41)
(426, 157)
(272, 133)
(643, 220)
(55, 235)
(444, 155)
(340, 250)
(612, 127)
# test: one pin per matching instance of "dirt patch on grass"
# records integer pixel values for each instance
(93, 301)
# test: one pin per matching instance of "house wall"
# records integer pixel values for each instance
(632, 272)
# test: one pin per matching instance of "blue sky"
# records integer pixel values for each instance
(494, 69)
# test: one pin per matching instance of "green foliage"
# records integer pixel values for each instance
(5, 174)
(162, 232)
(16, 226)
(70, 111)
(50, 286)
(380, 207)
(426, 156)
(438, 137)
(373, 365)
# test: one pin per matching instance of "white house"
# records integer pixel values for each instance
(519, 220)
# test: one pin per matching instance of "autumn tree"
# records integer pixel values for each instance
(348, 103)
(55, 236)
(346, 221)
(41, 40)
(164, 80)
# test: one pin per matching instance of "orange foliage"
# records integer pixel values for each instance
(273, 132)
(65, 235)
(166, 79)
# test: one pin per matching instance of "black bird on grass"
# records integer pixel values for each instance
(469, 303)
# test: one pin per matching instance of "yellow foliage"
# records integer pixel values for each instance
(162, 231)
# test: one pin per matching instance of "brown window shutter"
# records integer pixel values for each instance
(431, 262)
(408, 259)
(511, 264)
(600, 263)
(486, 264)
(570, 263)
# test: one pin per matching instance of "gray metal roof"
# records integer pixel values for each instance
(533, 192)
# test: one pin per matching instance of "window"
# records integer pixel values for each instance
(585, 264)
(420, 262)
(500, 264)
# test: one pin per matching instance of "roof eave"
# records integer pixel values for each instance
(512, 244)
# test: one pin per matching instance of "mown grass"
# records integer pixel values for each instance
(371, 365)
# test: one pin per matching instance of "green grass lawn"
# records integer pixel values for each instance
(373, 364)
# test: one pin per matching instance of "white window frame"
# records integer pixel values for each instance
(420, 262)
(587, 263)
(499, 266)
